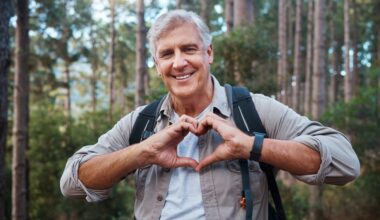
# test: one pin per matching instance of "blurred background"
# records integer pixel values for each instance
(69, 69)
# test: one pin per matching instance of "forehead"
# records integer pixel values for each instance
(179, 34)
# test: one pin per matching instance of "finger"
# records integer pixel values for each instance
(186, 162)
(182, 128)
(190, 126)
(210, 159)
(188, 119)
(209, 123)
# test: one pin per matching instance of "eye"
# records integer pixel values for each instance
(165, 54)
(190, 49)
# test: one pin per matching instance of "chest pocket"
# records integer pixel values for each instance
(257, 178)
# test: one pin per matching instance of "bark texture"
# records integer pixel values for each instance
(21, 113)
(282, 60)
(6, 11)
(141, 70)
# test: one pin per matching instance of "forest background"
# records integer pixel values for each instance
(69, 69)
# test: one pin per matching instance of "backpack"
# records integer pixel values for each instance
(247, 120)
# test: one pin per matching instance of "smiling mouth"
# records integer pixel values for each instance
(183, 77)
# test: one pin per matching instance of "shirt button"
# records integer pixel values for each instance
(159, 198)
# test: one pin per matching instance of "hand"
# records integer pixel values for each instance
(163, 145)
(236, 144)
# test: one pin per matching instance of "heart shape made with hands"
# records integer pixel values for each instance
(236, 144)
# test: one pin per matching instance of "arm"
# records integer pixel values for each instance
(283, 154)
(103, 171)
(314, 153)
(338, 161)
(93, 170)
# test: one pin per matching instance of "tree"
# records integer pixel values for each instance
(335, 45)
(6, 12)
(111, 70)
(347, 48)
(204, 12)
(141, 70)
(229, 14)
(297, 57)
(184, 4)
(94, 60)
(309, 58)
(282, 60)
(318, 92)
(21, 113)
(243, 13)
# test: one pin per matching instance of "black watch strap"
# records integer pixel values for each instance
(257, 146)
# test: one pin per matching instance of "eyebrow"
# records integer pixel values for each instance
(189, 45)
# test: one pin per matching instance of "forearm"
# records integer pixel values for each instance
(291, 156)
(103, 171)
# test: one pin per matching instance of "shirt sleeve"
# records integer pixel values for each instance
(114, 140)
(339, 163)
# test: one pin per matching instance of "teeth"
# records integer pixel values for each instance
(183, 77)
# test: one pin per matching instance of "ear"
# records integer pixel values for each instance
(210, 53)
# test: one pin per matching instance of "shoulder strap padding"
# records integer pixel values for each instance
(145, 122)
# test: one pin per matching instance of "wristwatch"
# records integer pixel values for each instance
(257, 146)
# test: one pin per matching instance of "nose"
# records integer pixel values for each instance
(179, 61)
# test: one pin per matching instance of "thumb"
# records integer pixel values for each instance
(210, 159)
(186, 162)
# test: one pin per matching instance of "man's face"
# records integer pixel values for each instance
(183, 62)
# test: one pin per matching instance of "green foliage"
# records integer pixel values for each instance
(360, 119)
(295, 200)
(247, 51)
(358, 200)
(51, 144)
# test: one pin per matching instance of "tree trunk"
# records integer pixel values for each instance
(282, 60)
(6, 12)
(20, 117)
(355, 70)
(334, 61)
(94, 70)
(66, 72)
(183, 4)
(111, 66)
(315, 202)
(243, 13)
(347, 48)
(297, 57)
(229, 14)
(309, 59)
(319, 66)
(318, 95)
(141, 71)
(204, 12)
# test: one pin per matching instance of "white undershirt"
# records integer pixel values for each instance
(184, 198)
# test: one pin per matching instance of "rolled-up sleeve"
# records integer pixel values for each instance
(114, 140)
(339, 162)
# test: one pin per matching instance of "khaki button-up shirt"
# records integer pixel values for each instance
(221, 182)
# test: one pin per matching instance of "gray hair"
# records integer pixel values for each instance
(172, 19)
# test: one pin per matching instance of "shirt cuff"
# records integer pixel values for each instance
(92, 195)
(326, 160)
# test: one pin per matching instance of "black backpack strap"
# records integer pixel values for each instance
(247, 119)
(145, 122)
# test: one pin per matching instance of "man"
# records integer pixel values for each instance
(188, 169)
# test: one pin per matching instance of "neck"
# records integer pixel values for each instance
(195, 104)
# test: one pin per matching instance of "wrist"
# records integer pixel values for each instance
(257, 146)
(147, 154)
